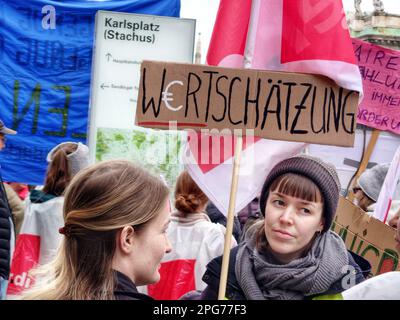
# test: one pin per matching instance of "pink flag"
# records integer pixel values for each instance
(308, 36)
(229, 36)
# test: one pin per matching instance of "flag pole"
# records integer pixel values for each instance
(365, 160)
(229, 222)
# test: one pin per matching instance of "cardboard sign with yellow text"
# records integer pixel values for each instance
(277, 105)
(367, 236)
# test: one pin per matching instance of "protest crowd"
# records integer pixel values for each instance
(277, 215)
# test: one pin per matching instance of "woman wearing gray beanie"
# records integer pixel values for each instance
(292, 254)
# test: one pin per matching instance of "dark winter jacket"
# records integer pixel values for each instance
(126, 289)
(234, 292)
(5, 234)
(217, 216)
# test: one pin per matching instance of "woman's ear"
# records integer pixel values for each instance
(321, 225)
(125, 239)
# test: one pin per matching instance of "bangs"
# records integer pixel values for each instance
(297, 186)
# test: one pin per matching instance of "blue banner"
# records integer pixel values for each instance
(45, 69)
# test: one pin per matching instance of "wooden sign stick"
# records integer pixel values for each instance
(229, 222)
(365, 160)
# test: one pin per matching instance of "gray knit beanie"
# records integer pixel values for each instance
(321, 173)
(371, 180)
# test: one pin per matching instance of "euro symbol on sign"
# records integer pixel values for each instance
(167, 96)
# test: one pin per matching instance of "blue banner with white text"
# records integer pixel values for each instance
(45, 70)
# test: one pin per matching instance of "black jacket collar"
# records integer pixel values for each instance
(126, 289)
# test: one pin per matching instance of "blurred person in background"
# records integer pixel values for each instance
(7, 233)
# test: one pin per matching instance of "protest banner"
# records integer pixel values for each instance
(46, 57)
(277, 105)
(122, 41)
(367, 236)
(380, 72)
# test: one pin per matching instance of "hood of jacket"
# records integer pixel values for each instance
(38, 196)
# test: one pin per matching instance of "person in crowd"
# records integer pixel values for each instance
(17, 207)
(44, 208)
(116, 217)
(16, 194)
(21, 189)
(292, 254)
(5, 242)
(251, 211)
(7, 234)
(397, 235)
(217, 216)
(368, 187)
(195, 241)
(393, 222)
(249, 216)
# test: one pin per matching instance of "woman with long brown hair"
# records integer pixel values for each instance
(115, 221)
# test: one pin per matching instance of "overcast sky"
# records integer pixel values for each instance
(204, 11)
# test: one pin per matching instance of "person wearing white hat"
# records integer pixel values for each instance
(369, 186)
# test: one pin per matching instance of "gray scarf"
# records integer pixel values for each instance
(261, 277)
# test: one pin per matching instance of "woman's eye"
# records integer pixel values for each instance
(279, 203)
(305, 211)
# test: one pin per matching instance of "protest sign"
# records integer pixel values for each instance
(45, 69)
(380, 72)
(277, 105)
(367, 236)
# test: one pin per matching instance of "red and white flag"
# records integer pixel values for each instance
(308, 36)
